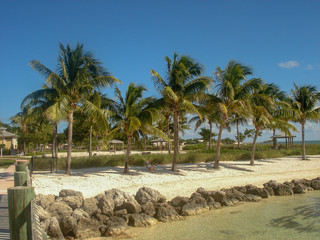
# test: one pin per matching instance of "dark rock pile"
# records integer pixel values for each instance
(70, 216)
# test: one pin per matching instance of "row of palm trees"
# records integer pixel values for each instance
(76, 88)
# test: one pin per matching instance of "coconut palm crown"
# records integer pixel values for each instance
(78, 75)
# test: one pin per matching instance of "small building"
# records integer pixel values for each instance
(9, 140)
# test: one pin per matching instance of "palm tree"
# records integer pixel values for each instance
(264, 101)
(133, 117)
(78, 75)
(179, 89)
(95, 115)
(208, 115)
(231, 96)
(304, 102)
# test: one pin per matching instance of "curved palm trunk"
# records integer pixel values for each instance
(303, 143)
(216, 163)
(210, 134)
(175, 141)
(90, 142)
(70, 125)
(274, 140)
(168, 132)
(126, 167)
(254, 147)
(238, 134)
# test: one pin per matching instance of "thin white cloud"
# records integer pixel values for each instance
(289, 64)
(309, 67)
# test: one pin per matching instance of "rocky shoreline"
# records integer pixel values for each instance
(71, 216)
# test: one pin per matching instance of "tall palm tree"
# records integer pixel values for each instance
(231, 95)
(179, 89)
(264, 101)
(133, 117)
(78, 75)
(304, 101)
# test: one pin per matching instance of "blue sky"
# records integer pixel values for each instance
(280, 40)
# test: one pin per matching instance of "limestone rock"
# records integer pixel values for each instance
(132, 206)
(118, 196)
(315, 184)
(193, 209)
(148, 208)
(116, 226)
(79, 214)
(105, 204)
(69, 192)
(165, 212)
(59, 210)
(45, 200)
(73, 201)
(54, 231)
(43, 214)
(90, 205)
(257, 191)
(68, 226)
(146, 194)
(88, 228)
(142, 220)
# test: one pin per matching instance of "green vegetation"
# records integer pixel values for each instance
(6, 162)
(199, 154)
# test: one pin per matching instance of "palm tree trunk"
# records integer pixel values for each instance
(216, 163)
(126, 167)
(303, 143)
(168, 132)
(53, 142)
(238, 134)
(175, 141)
(274, 139)
(70, 125)
(210, 134)
(254, 146)
(56, 141)
(90, 142)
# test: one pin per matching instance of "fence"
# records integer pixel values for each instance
(24, 221)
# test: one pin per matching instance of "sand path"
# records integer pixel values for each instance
(191, 176)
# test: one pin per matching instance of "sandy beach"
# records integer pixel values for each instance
(93, 181)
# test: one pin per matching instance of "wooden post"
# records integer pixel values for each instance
(20, 179)
(21, 167)
(19, 206)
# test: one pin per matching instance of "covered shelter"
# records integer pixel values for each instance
(9, 141)
(114, 143)
(288, 140)
(159, 143)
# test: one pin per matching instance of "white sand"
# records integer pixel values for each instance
(191, 176)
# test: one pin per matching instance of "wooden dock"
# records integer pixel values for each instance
(4, 218)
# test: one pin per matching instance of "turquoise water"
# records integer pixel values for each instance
(292, 217)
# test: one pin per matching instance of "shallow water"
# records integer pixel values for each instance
(292, 217)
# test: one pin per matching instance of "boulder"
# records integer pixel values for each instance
(118, 196)
(269, 190)
(90, 205)
(299, 188)
(43, 214)
(68, 226)
(178, 202)
(105, 204)
(280, 189)
(79, 214)
(45, 200)
(53, 230)
(193, 209)
(59, 210)
(141, 220)
(116, 226)
(302, 181)
(148, 208)
(132, 206)
(196, 198)
(88, 228)
(204, 193)
(220, 197)
(69, 192)
(123, 213)
(102, 218)
(315, 184)
(252, 198)
(72, 201)
(146, 194)
(212, 204)
(165, 212)
(242, 189)
(251, 189)
(233, 194)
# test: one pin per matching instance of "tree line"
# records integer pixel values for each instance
(229, 98)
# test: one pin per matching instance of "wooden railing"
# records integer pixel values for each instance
(24, 221)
